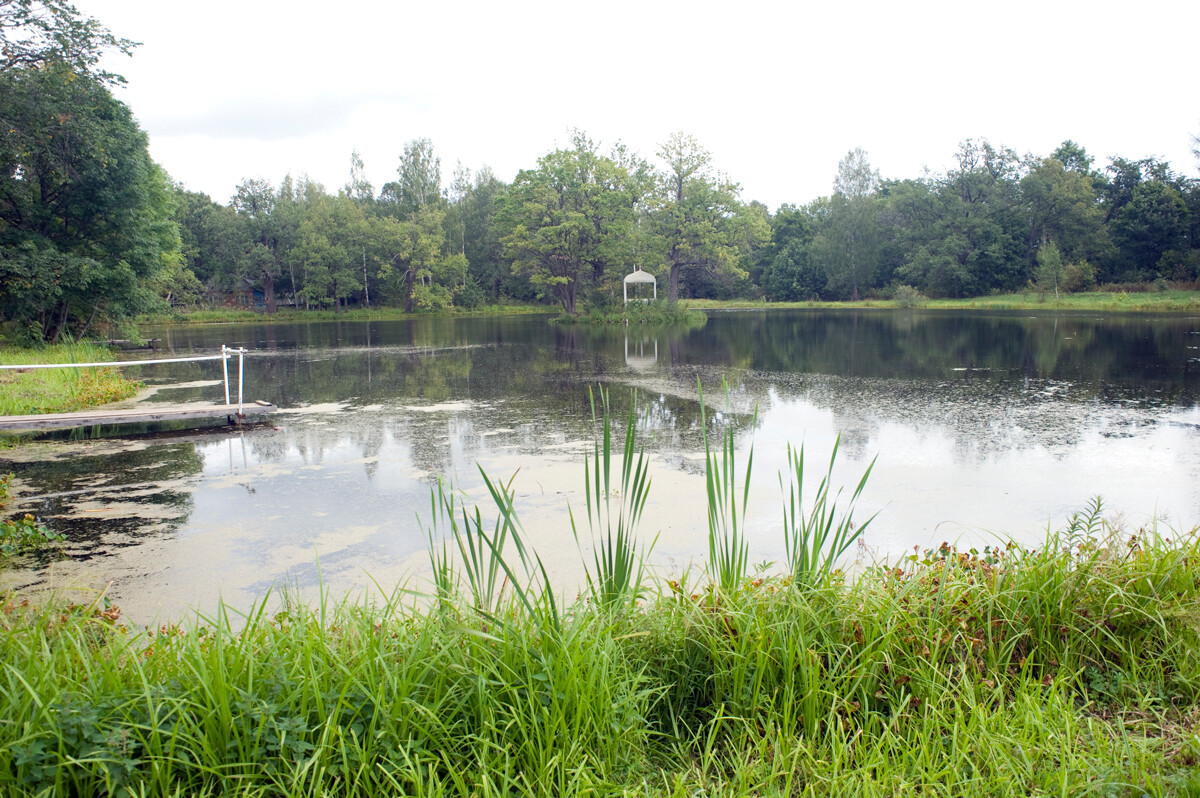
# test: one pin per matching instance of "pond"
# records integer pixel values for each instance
(984, 426)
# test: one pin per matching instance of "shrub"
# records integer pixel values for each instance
(906, 296)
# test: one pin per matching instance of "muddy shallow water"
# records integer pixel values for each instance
(985, 426)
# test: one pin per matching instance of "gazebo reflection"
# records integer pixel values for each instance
(641, 359)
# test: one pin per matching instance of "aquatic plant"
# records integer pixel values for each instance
(24, 534)
(728, 551)
(616, 571)
(814, 543)
(488, 572)
(657, 314)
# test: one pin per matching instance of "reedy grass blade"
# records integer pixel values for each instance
(814, 543)
(728, 550)
(617, 568)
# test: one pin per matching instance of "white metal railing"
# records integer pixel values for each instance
(226, 352)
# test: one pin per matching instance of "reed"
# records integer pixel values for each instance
(489, 573)
(814, 543)
(617, 568)
(728, 551)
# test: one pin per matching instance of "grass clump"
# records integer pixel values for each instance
(39, 391)
(616, 572)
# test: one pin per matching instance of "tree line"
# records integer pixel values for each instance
(93, 232)
(568, 230)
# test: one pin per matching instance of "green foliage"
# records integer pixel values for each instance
(21, 535)
(86, 218)
(567, 230)
(963, 234)
(1153, 222)
(1070, 669)
(657, 314)
(36, 33)
(488, 572)
(847, 245)
(698, 220)
(1061, 202)
(1050, 269)
(570, 222)
(905, 296)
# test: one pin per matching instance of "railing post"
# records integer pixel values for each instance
(225, 368)
(241, 358)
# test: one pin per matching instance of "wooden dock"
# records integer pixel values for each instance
(133, 415)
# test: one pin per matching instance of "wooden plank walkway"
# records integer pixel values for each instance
(132, 415)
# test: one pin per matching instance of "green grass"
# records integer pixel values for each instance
(243, 316)
(1069, 669)
(655, 314)
(1053, 671)
(60, 390)
(1098, 301)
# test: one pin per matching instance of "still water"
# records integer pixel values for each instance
(984, 426)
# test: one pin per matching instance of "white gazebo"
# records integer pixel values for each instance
(639, 276)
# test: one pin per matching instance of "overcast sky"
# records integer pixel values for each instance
(778, 92)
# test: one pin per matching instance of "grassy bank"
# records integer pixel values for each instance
(1069, 669)
(234, 315)
(1095, 301)
(60, 390)
(657, 314)
(1134, 300)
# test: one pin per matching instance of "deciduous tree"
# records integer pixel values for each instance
(568, 221)
(37, 33)
(86, 217)
(698, 217)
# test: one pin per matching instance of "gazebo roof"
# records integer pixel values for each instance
(640, 276)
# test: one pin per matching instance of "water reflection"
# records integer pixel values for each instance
(1000, 422)
(643, 357)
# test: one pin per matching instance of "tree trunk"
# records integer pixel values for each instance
(409, 280)
(673, 293)
(366, 285)
(268, 282)
(566, 297)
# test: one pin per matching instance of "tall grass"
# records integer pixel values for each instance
(941, 676)
(60, 390)
(488, 571)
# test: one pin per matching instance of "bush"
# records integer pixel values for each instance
(469, 295)
(1077, 276)
(906, 296)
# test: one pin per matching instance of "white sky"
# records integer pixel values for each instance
(777, 91)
